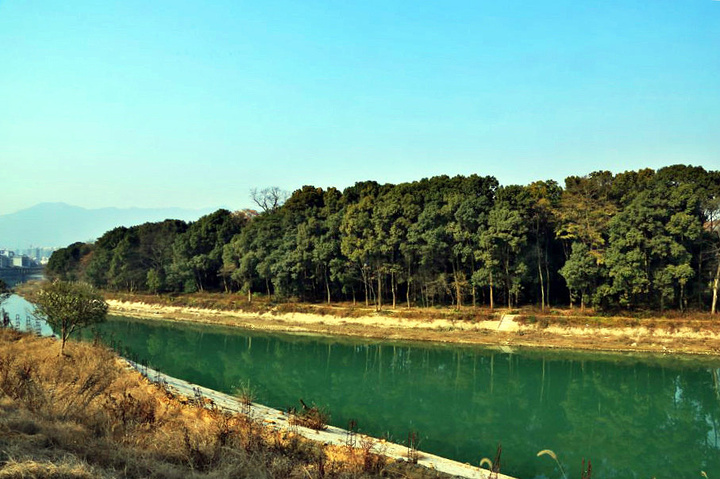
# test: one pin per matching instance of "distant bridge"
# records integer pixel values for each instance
(16, 275)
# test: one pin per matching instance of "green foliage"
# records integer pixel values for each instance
(70, 306)
(580, 272)
(67, 264)
(638, 239)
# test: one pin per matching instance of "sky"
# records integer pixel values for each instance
(192, 104)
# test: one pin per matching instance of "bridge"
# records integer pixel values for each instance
(16, 275)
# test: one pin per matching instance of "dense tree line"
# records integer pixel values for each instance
(639, 239)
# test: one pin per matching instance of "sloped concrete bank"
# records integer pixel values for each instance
(279, 420)
(505, 331)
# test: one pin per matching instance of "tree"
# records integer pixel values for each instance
(585, 210)
(69, 306)
(198, 252)
(269, 199)
(500, 248)
(580, 272)
(69, 263)
(544, 198)
(358, 242)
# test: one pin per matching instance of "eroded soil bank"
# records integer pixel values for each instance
(501, 329)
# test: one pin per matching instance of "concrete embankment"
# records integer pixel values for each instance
(506, 331)
(279, 420)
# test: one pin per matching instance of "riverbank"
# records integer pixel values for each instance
(87, 415)
(504, 328)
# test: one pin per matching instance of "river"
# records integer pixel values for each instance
(633, 416)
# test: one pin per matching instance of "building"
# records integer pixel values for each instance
(22, 261)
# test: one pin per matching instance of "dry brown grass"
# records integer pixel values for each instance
(86, 415)
(68, 469)
(239, 303)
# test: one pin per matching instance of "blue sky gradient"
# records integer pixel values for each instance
(191, 104)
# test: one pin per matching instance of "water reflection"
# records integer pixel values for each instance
(633, 417)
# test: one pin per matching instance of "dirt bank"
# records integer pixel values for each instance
(505, 330)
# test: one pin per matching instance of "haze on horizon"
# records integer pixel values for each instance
(190, 104)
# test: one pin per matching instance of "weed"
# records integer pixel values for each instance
(372, 462)
(493, 466)
(351, 436)
(311, 417)
(412, 447)
(246, 394)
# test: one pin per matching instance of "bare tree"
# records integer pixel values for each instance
(269, 199)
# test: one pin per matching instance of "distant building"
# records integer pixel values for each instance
(21, 261)
(4, 261)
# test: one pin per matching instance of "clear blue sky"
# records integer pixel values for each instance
(189, 103)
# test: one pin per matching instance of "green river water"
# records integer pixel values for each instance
(632, 416)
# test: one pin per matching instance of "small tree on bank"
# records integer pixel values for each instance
(69, 307)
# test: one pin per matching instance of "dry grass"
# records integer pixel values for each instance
(68, 469)
(670, 320)
(239, 302)
(85, 415)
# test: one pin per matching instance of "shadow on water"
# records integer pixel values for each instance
(632, 416)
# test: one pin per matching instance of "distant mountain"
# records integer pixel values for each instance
(60, 224)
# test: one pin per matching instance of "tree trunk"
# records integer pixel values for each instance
(474, 295)
(392, 285)
(327, 286)
(64, 335)
(407, 295)
(365, 283)
(699, 280)
(662, 303)
(547, 273)
(507, 283)
(458, 284)
(682, 298)
(492, 297)
(716, 283)
(542, 287)
(539, 265)
(547, 277)
(379, 293)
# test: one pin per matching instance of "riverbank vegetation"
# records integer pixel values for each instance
(640, 240)
(84, 415)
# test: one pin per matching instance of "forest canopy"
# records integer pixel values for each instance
(638, 239)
